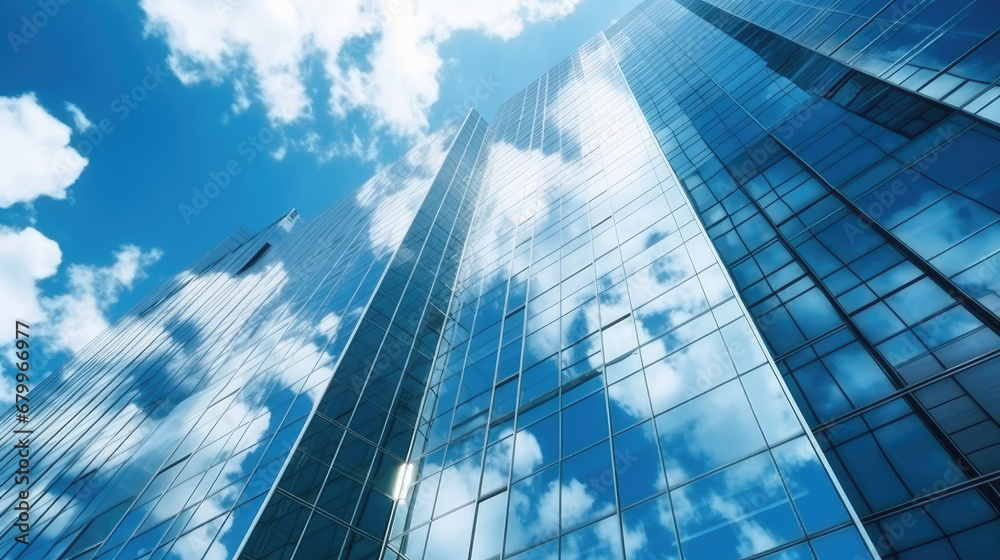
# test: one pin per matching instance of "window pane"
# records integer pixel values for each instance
(584, 423)
(649, 531)
(588, 490)
(533, 516)
(601, 540)
(637, 460)
(737, 512)
(707, 432)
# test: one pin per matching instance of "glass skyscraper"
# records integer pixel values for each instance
(723, 284)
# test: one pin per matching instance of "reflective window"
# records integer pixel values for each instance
(637, 463)
(707, 432)
(584, 423)
(649, 531)
(533, 514)
(600, 540)
(587, 491)
(721, 516)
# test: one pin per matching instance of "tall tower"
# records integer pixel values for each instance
(843, 160)
(723, 284)
(600, 391)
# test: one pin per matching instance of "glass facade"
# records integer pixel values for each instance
(859, 220)
(336, 492)
(947, 51)
(165, 436)
(599, 391)
(723, 284)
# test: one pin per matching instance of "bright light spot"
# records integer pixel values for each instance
(403, 479)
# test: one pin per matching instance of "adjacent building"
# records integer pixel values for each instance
(723, 284)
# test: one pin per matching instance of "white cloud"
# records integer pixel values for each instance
(35, 155)
(357, 148)
(76, 317)
(260, 304)
(397, 191)
(329, 324)
(394, 79)
(37, 161)
(80, 121)
(69, 320)
(280, 152)
(577, 502)
(72, 319)
(242, 101)
(527, 453)
(26, 257)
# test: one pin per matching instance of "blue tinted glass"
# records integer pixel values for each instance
(629, 402)
(801, 470)
(876, 481)
(649, 531)
(533, 514)
(813, 313)
(637, 463)
(724, 515)
(773, 410)
(707, 432)
(544, 552)
(496, 470)
(584, 423)
(450, 536)
(536, 446)
(878, 322)
(858, 374)
(588, 490)
(918, 301)
(458, 484)
(800, 552)
(490, 524)
(539, 380)
(909, 438)
(670, 380)
(974, 541)
(560, 234)
(600, 540)
(842, 544)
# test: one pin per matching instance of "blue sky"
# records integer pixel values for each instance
(285, 103)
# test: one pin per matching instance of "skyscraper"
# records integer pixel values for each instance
(721, 284)
(843, 160)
